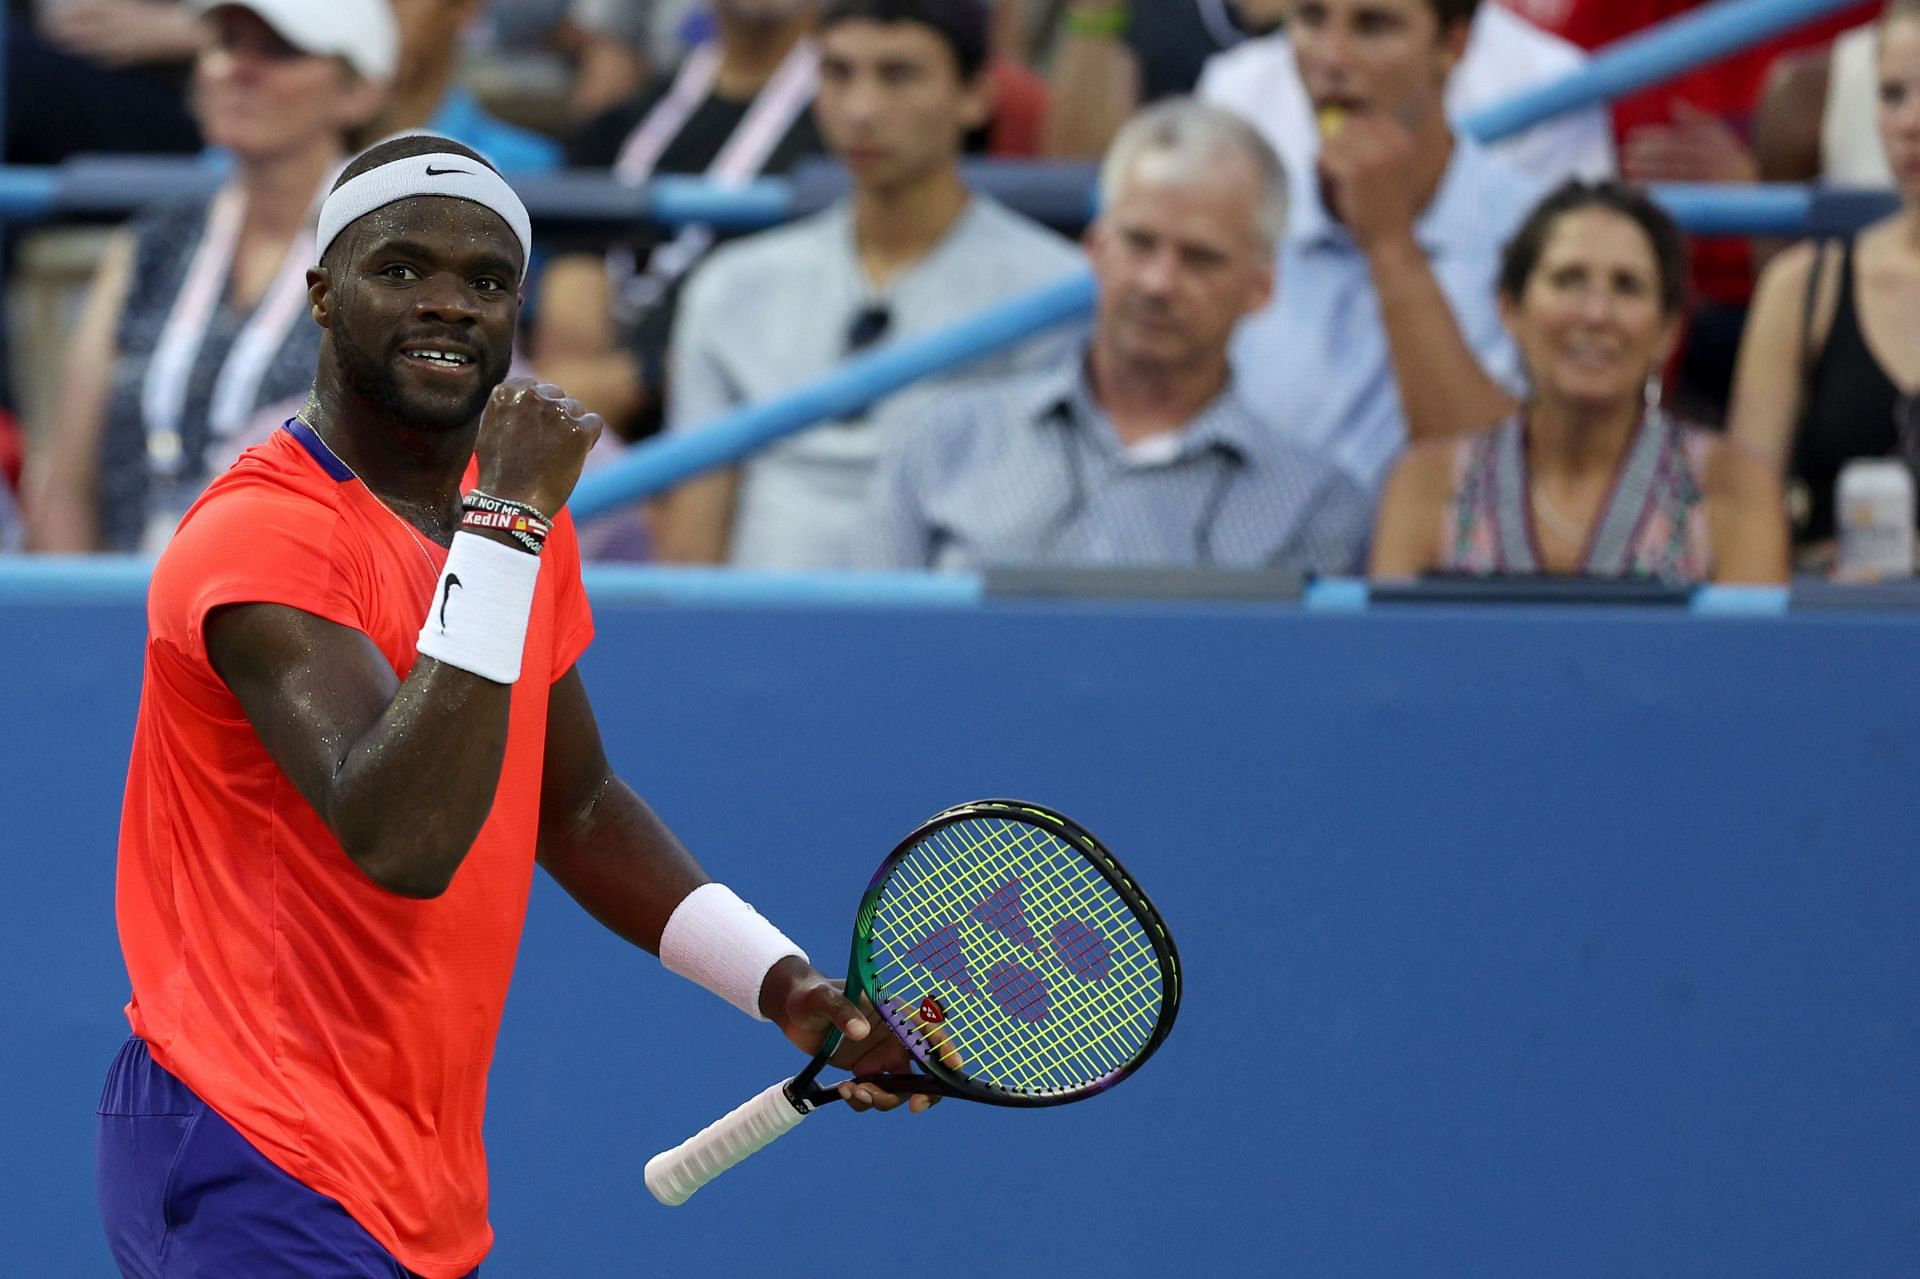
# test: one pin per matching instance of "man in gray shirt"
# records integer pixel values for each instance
(1135, 450)
(912, 252)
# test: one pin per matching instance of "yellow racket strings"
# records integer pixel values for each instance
(973, 874)
(994, 1045)
(1103, 1024)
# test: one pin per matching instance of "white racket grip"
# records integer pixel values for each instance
(673, 1175)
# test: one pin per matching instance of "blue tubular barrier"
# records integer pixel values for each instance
(72, 579)
(97, 186)
(102, 186)
(1775, 208)
(657, 466)
(1058, 195)
(28, 193)
(1650, 57)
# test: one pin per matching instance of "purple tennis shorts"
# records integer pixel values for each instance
(183, 1194)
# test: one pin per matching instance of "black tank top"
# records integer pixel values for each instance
(1850, 412)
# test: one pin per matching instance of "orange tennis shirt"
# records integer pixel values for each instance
(344, 1030)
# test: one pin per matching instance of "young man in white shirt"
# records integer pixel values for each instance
(1505, 56)
(1389, 331)
(911, 252)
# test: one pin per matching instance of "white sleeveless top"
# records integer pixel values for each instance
(1850, 150)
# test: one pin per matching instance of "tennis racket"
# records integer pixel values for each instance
(1014, 957)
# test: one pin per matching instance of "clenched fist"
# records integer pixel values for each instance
(533, 441)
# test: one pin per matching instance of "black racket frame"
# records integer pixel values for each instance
(806, 1094)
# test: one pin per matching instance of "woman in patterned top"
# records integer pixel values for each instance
(197, 320)
(1590, 477)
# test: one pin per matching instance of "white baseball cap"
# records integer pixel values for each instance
(361, 31)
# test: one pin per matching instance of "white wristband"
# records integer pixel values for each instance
(718, 941)
(478, 618)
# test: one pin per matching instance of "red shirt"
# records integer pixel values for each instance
(344, 1030)
(1729, 88)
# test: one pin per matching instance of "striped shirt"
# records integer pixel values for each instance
(1316, 362)
(1652, 524)
(1030, 472)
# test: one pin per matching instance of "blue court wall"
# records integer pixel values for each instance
(1518, 943)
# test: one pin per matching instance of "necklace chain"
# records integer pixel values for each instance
(417, 539)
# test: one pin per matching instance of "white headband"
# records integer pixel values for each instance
(441, 173)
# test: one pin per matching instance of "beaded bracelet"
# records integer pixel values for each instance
(522, 522)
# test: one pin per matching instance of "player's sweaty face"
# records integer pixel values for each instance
(426, 306)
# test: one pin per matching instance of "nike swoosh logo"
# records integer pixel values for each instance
(446, 593)
(434, 173)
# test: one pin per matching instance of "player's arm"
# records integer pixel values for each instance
(602, 843)
(404, 772)
(1369, 171)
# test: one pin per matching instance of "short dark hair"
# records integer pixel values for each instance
(1669, 243)
(962, 24)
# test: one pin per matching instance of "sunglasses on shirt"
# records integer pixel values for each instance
(869, 325)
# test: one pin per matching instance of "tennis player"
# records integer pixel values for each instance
(360, 728)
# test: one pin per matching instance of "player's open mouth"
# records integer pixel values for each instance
(439, 358)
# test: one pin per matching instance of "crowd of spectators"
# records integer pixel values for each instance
(1333, 332)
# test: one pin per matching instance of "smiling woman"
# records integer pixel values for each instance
(1590, 477)
(196, 325)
